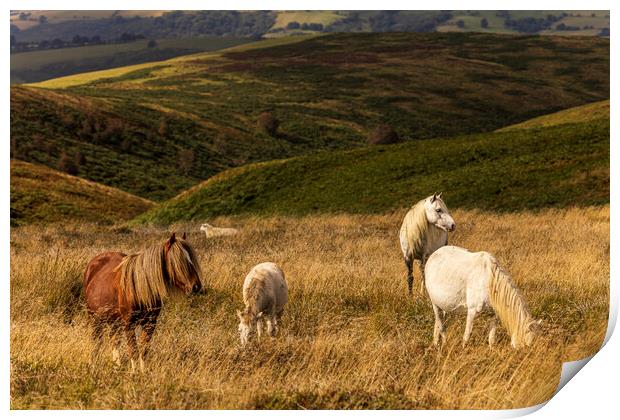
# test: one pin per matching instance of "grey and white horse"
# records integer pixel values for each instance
(424, 230)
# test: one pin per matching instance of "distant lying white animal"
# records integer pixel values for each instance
(264, 293)
(457, 279)
(425, 229)
(212, 231)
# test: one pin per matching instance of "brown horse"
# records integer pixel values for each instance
(127, 291)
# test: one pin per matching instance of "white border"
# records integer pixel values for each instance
(593, 393)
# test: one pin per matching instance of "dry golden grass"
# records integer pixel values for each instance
(350, 336)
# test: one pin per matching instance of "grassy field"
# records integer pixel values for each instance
(558, 166)
(575, 18)
(36, 66)
(42, 195)
(328, 92)
(350, 337)
(579, 114)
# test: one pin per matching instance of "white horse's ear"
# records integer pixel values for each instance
(239, 315)
(434, 197)
(259, 315)
(439, 195)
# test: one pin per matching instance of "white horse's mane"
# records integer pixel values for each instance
(507, 302)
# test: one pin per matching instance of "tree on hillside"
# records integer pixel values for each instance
(484, 23)
(267, 123)
(152, 44)
(383, 134)
(292, 25)
(460, 23)
(186, 159)
(42, 19)
(67, 164)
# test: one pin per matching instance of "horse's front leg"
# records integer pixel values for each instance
(132, 345)
(471, 315)
(422, 278)
(492, 330)
(148, 329)
(409, 265)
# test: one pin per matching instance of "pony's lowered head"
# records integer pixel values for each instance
(437, 213)
(247, 324)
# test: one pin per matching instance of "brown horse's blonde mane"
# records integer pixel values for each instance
(508, 303)
(148, 277)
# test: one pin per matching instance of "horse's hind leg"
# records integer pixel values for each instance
(97, 335)
(439, 329)
(422, 278)
(115, 335)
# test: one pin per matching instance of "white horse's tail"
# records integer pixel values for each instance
(507, 302)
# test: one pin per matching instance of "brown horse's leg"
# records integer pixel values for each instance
(115, 334)
(147, 333)
(132, 346)
(97, 335)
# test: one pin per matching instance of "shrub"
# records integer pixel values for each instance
(383, 134)
(484, 23)
(460, 23)
(293, 25)
(267, 123)
(67, 164)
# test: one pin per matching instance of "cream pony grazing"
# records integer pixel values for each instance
(212, 231)
(457, 279)
(424, 230)
(264, 293)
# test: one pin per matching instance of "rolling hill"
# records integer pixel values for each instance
(589, 112)
(43, 195)
(156, 129)
(561, 166)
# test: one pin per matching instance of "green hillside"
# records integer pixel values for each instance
(589, 112)
(42, 195)
(559, 166)
(157, 129)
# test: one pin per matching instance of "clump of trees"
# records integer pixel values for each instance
(383, 134)
(69, 164)
(267, 123)
(185, 159)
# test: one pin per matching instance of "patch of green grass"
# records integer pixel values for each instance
(42, 195)
(559, 166)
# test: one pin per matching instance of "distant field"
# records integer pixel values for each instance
(580, 18)
(35, 66)
(323, 17)
(57, 16)
(561, 166)
(40, 195)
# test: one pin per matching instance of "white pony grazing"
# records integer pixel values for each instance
(457, 279)
(424, 230)
(212, 231)
(264, 293)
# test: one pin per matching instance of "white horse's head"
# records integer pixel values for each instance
(247, 325)
(532, 331)
(205, 227)
(437, 213)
